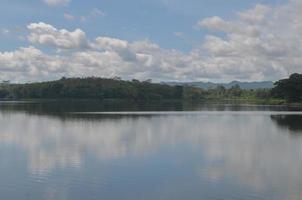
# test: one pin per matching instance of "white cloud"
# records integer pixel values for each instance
(213, 23)
(29, 64)
(57, 2)
(259, 44)
(45, 34)
(111, 43)
(255, 15)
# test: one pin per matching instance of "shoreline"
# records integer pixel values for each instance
(267, 102)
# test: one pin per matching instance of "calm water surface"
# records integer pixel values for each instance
(91, 150)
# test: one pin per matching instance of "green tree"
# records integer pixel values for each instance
(289, 89)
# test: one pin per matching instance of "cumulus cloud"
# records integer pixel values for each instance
(261, 43)
(29, 64)
(45, 34)
(56, 2)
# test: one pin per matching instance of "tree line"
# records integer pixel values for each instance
(97, 88)
(289, 90)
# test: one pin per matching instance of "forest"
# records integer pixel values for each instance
(97, 88)
(285, 90)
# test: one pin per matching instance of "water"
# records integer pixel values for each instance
(88, 150)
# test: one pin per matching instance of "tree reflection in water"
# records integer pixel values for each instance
(290, 122)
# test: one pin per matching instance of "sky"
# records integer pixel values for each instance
(162, 40)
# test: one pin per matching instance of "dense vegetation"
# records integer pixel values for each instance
(285, 90)
(289, 90)
(235, 92)
(97, 88)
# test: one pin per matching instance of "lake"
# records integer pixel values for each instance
(173, 150)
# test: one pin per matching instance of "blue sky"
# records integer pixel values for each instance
(170, 24)
(156, 20)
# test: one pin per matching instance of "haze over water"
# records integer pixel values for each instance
(70, 151)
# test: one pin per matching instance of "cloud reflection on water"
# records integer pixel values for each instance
(248, 148)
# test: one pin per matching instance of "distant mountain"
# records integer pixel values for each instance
(243, 85)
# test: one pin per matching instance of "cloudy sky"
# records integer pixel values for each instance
(164, 40)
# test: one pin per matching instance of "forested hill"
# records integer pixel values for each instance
(97, 88)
